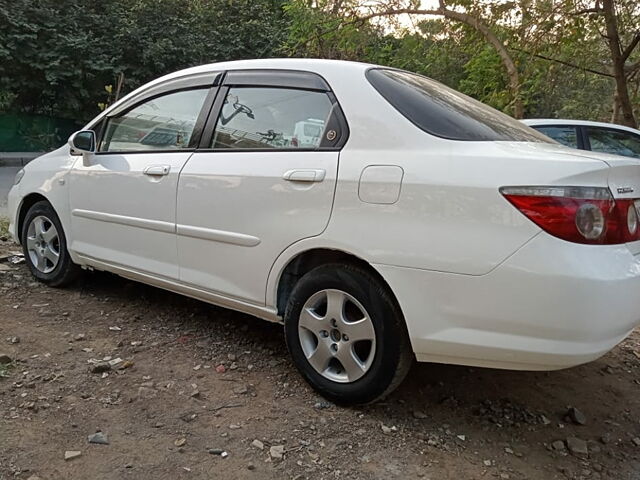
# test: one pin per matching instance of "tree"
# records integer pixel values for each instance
(600, 37)
(577, 58)
(57, 56)
(551, 52)
(620, 53)
(355, 12)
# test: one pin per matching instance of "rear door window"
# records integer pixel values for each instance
(446, 113)
(617, 142)
(272, 118)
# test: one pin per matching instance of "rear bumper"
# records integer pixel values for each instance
(551, 305)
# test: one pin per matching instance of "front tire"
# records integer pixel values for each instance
(45, 247)
(346, 334)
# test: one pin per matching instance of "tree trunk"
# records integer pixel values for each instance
(615, 113)
(626, 116)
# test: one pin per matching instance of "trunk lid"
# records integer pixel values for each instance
(623, 175)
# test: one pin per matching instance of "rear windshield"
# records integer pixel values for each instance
(443, 112)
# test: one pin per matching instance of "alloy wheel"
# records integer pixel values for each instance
(337, 336)
(43, 244)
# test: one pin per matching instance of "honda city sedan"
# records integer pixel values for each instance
(379, 215)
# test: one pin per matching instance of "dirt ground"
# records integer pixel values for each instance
(168, 410)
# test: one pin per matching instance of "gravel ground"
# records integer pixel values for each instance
(181, 389)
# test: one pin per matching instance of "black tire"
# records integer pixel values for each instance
(65, 271)
(393, 355)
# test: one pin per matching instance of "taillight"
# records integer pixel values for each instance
(578, 214)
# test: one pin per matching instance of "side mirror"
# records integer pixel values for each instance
(82, 142)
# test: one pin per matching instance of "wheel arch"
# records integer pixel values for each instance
(306, 260)
(27, 202)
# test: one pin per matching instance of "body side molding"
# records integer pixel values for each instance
(222, 236)
(145, 223)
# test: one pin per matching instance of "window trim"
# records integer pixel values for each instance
(190, 82)
(296, 79)
(583, 141)
(273, 79)
(208, 80)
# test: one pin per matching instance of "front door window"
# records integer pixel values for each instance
(161, 123)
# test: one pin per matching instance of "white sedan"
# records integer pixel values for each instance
(379, 215)
(587, 135)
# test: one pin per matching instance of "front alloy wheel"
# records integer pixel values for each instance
(45, 246)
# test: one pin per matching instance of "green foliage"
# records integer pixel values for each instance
(557, 91)
(317, 32)
(4, 227)
(430, 51)
(56, 56)
(460, 57)
(6, 100)
(485, 80)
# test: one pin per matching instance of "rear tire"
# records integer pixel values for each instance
(45, 247)
(346, 335)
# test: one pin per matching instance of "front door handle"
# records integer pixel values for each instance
(157, 170)
(305, 175)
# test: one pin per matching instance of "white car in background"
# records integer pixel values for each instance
(594, 136)
(419, 224)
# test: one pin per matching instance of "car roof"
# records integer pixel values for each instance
(587, 123)
(335, 70)
(331, 68)
(318, 65)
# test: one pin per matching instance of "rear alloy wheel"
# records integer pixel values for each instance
(337, 336)
(346, 334)
(45, 247)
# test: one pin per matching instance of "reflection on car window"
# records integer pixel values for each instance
(614, 141)
(272, 118)
(443, 112)
(162, 123)
(562, 134)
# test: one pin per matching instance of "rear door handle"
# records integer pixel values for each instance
(305, 175)
(157, 170)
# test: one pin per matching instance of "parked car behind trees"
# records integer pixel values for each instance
(594, 136)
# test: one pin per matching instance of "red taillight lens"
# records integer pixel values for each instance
(578, 214)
